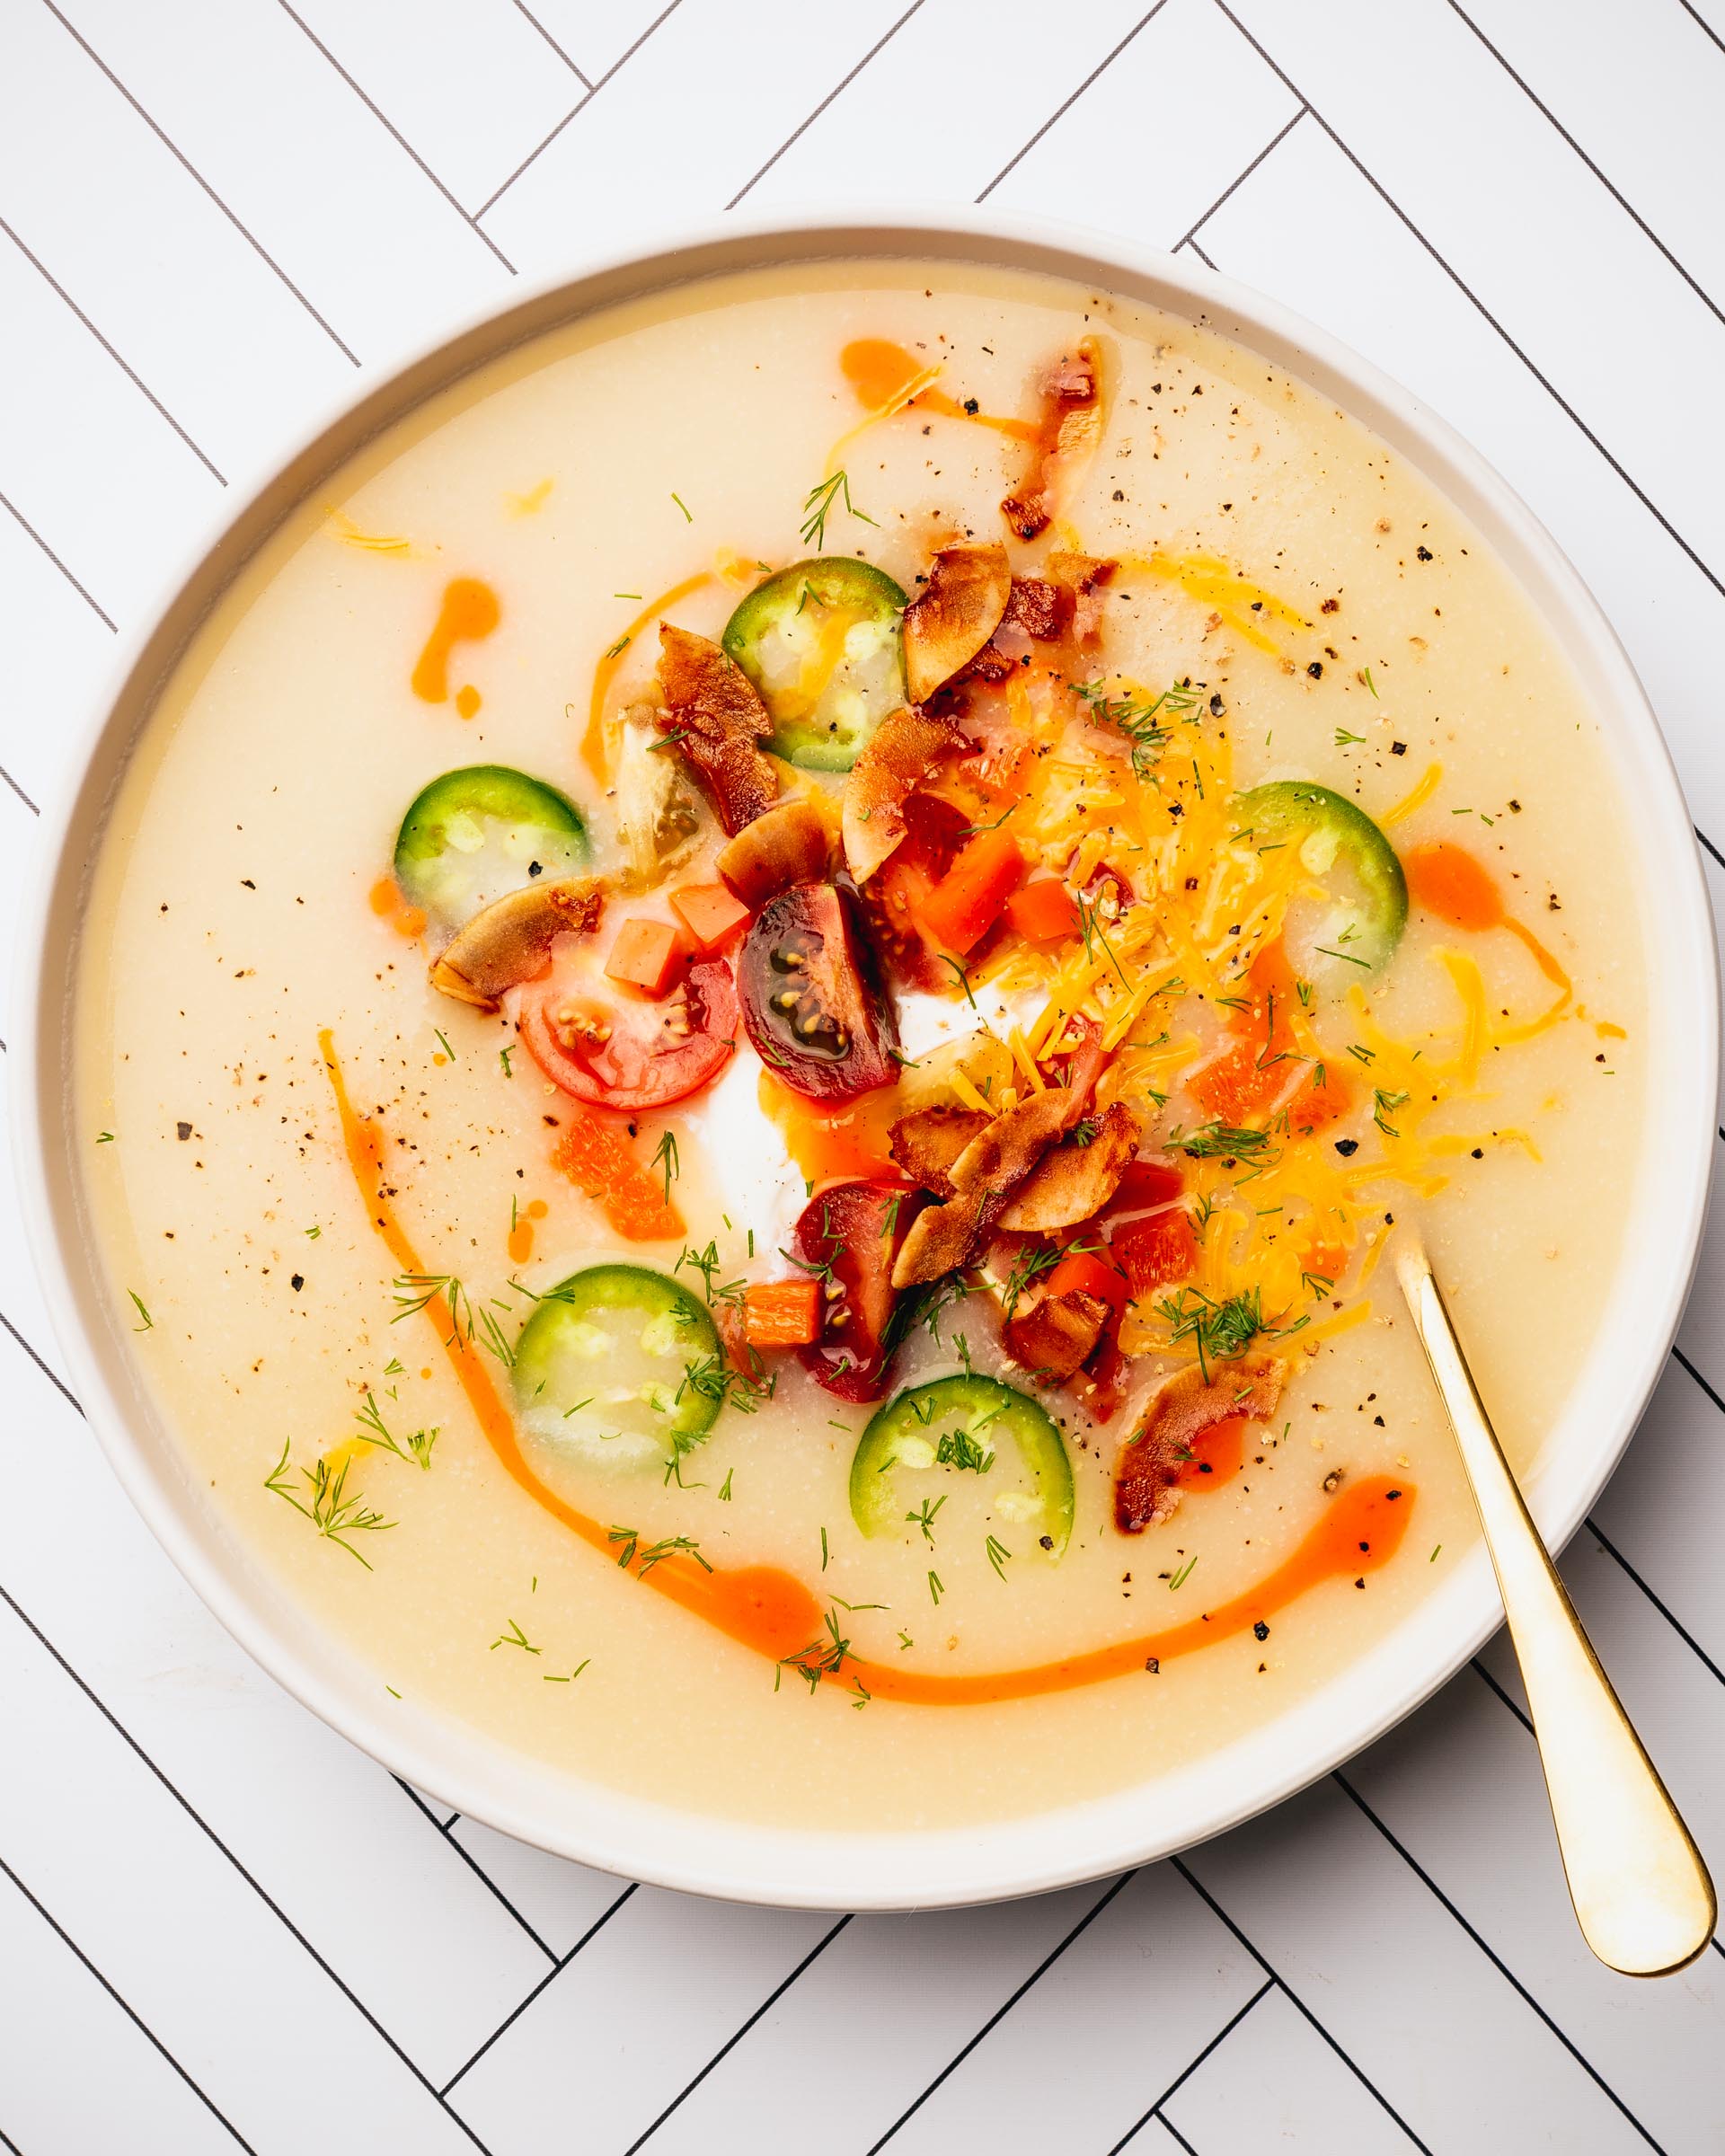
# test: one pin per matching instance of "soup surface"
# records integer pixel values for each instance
(759, 1009)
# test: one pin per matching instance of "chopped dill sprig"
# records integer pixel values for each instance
(415, 1291)
(1344, 739)
(924, 1517)
(1222, 1141)
(710, 1377)
(1141, 722)
(995, 1551)
(1219, 1332)
(959, 1449)
(819, 506)
(1383, 1105)
(688, 514)
(724, 1488)
(573, 1674)
(822, 1657)
(665, 1159)
(515, 1637)
(148, 1324)
(373, 1430)
(442, 1040)
(1182, 1576)
(936, 1590)
(672, 1545)
(331, 1511)
(961, 976)
(503, 1056)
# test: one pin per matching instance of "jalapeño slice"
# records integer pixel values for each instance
(972, 1420)
(475, 835)
(821, 642)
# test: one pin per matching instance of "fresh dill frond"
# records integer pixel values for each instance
(373, 1430)
(1140, 721)
(664, 1160)
(817, 508)
(515, 1637)
(330, 1510)
(1222, 1141)
(995, 1551)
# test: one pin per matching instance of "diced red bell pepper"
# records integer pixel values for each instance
(1082, 1272)
(968, 900)
(646, 956)
(1044, 912)
(711, 916)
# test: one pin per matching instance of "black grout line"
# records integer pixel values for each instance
(1484, 1674)
(19, 518)
(19, 790)
(1295, 2000)
(6, 2141)
(1177, 2136)
(1202, 257)
(135, 2018)
(1682, 1632)
(1711, 847)
(180, 158)
(1497, 1961)
(772, 2000)
(1239, 179)
(514, 2014)
(1191, 2067)
(581, 106)
(1454, 277)
(58, 1382)
(468, 217)
(262, 1892)
(1646, 230)
(1006, 2007)
(131, 375)
(1019, 156)
(1705, 27)
(524, 9)
(885, 40)
(471, 1862)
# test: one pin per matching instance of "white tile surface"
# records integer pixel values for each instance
(225, 212)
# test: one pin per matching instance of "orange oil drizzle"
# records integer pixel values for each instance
(593, 740)
(387, 903)
(469, 611)
(880, 374)
(772, 1611)
(1448, 882)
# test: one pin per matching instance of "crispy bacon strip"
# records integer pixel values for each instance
(1072, 426)
(1052, 1338)
(928, 1142)
(905, 750)
(785, 844)
(1147, 1476)
(1072, 1182)
(716, 714)
(953, 617)
(510, 940)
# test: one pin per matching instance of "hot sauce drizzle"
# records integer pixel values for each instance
(1448, 882)
(771, 1611)
(469, 611)
(884, 377)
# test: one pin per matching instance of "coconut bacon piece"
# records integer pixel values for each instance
(1147, 1476)
(905, 750)
(928, 1142)
(1073, 1182)
(785, 844)
(510, 940)
(715, 715)
(1006, 1148)
(1083, 577)
(1072, 426)
(954, 616)
(1052, 1337)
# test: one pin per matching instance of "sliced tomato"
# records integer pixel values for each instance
(810, 1002)
(1157, 1250)
(630, 1054)
(850, 1233)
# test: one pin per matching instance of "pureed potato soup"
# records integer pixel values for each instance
(756, 1013)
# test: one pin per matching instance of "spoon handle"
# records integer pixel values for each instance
(1642, 1893)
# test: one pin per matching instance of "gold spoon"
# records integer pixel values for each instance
(1642, 1893)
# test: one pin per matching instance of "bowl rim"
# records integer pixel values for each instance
(908, 1868)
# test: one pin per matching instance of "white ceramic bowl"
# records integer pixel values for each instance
(917, 1869)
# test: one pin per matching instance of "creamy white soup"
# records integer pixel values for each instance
(757, 1011)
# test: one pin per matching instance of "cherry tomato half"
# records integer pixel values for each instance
(851, 1232)
(630, 1054)
(810, 1002)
